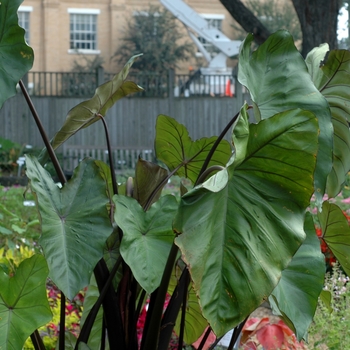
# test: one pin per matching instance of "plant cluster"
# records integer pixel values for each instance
(19, 223)
(239, 235)
(332, 319)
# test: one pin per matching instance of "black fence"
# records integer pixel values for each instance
(76, 84)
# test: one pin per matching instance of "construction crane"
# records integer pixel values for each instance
(197, 24)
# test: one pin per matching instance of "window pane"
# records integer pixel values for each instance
(83, 31)
(23, 21)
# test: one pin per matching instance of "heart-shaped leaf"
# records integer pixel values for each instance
(175, 148)
(237, 241)
(278, 80)
(23, 302)
(16, 57)
(331, 75)
(296, 295)
(147, 237)
(336, 233)
(75, 223)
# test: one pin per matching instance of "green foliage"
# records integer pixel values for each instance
(176, 149)
(328, 74)
(155, 33)
(274, 15)
(89, 112)
(332, 222)
(67, 227)
(23, 303)
(147, 235)
(232, 237)
(16, 56)
(330, 326)
(297, 305)
(19, 223)
(238, 235)
(292, 88)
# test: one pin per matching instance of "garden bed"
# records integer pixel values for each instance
(9, 181)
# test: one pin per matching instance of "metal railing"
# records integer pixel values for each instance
(65, 84)
(76, 84)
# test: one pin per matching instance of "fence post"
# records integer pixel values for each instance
(100, 73)
(171, 82)
(238, 91)
(171, 85)
(25, 80)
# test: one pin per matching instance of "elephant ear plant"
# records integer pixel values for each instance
(239, 236)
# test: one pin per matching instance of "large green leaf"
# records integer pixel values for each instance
(16, 57)
(278, 80)
(75, 223)
(23, 302)
(237, 241)
(174, 147)
(296, 295)
(106, 95)
(336, 233)
(147, 237)
(331, 75)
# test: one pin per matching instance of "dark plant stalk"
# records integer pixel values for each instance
(139, 304)
(183, 310)
(37, 341)
(216, 144)
(151, 337)
(132, 324)
(178, 297)
(209, 171)
(44, 136)
(61, 339)
(90, 319)
(103, 335)
(110, 155)
(62, 179)
(212, 346)
(237, 331)
(204, 339)
(112, 312)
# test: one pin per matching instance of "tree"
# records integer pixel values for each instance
(155, 33)
(318, 21)
(274, 17)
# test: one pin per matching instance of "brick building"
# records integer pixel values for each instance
(60, 30)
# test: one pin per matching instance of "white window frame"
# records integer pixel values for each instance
(26, 11)
(84, 11)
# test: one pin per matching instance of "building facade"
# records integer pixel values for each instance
(61, 31)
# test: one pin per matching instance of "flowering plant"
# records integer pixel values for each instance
(260, 333)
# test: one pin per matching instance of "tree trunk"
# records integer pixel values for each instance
(318, 22)
(246, 20)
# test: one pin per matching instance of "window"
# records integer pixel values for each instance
(83, 30)
(23, 20)
(214, 21)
